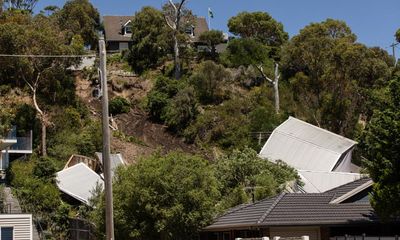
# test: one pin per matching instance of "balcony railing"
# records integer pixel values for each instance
(24, 143)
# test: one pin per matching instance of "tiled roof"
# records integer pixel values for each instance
(339, 191)
(297, 209)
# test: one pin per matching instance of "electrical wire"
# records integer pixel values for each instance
(47, 56)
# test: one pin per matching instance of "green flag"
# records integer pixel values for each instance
(210, 13)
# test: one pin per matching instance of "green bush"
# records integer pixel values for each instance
(119, 105)
(211, 83)
(158, 98)
(181, 110)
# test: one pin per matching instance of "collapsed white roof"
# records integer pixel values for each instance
(318, 182)
(307, 147)
(78, 182)
(115, 159)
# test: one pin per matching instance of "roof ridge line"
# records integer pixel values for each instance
(323, 129)
(269, 210)
(312, 143)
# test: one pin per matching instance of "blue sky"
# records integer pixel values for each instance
(373, 21)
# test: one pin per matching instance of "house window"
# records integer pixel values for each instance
(128, 30)
(190, 30)
(7, 233)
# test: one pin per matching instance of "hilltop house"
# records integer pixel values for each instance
(336, 214)
(322, 158)
(13, 147)
(118, 31)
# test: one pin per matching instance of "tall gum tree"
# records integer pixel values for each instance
(267, 36)
(38, 35)
(174, 13)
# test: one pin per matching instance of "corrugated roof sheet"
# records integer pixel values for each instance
(116, 160)
(78, 182)
(305, 146)
(317, 182)
(296, 209)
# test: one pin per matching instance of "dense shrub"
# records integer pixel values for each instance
(158, 98)
(119, 105)
(169, 197)
(244, 175)
(211, 82)
(181, 110)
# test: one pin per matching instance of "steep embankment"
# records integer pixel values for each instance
(136, 136)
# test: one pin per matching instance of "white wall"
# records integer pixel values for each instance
(22, 224)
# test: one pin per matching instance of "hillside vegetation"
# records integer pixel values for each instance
(187, 120)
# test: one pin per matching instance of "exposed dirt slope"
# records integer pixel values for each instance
(150, 136)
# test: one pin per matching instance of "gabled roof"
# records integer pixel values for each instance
(78, 182)
(317, 181)
(113, 26)
(201, 26)
(296, 209)
(305, 146)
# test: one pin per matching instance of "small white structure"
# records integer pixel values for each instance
(322, 158)
(115, 159)
(16, 227)
(78, 182)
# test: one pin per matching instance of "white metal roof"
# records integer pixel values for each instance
(318, 182)
(116, 160)
(78, 181)
(305, 146)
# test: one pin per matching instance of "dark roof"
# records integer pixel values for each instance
(113, 27)
(200, 27)
(295, 209)
(339, 191)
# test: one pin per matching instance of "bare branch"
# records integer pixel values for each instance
(261, 70)
(180, 6)
(173, 27)
(173, 5)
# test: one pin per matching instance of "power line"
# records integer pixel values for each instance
(47, 56)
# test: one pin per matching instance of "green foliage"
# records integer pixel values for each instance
(241, 171)
(119, 105)
(332, 75)
(181, 110)
(223, 125)
(37, 194)
(212, 38)
(260, 26)
(163, 197)
(397, 35)
(45, 169)
(382, 151)
(74, 135)
(210, 82)
(158, 98)
(80, 17)
(246, 52)
(151, 40)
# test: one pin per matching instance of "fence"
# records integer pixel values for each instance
(277, 238)
(364, 237)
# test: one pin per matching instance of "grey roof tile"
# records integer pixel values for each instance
(298, 209)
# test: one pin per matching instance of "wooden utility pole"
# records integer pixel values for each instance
(106, 144)
(394, 52)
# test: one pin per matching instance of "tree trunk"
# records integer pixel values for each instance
(176, 57)
(44, 136)
(276, 88)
